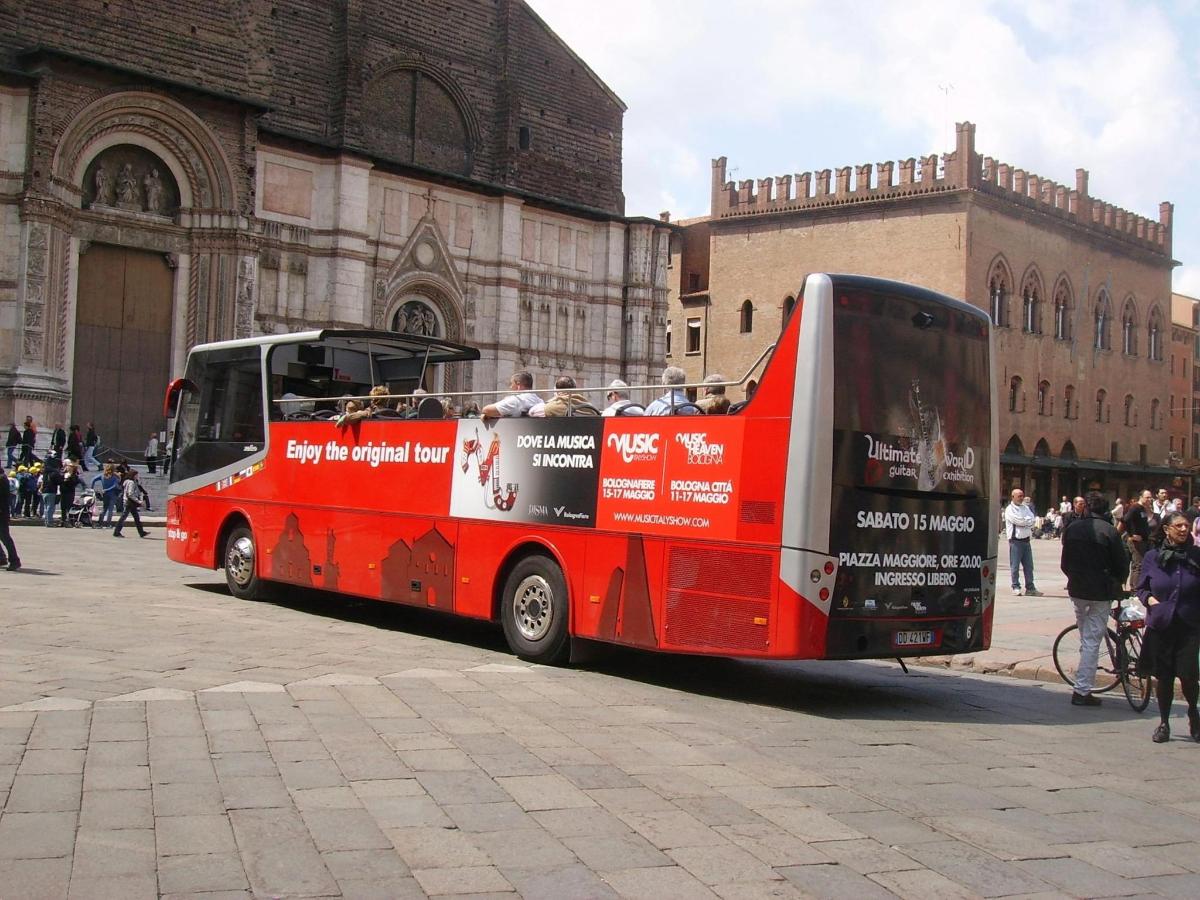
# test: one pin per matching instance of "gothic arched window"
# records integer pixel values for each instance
(1155, 415)
(1068, 400)
(1101, 397)
(1130, 416)
(1014, 393)
(1045, 401)
(1031, 304)
(1103, 321)
(999, 288)
(1062, 311)
(1154, 329)
(1129, 328)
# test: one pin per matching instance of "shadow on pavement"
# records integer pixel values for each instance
(863, 690)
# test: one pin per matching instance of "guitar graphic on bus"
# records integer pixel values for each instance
(488, 466)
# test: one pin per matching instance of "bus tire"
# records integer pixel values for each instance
(240, 558)
(534, 611)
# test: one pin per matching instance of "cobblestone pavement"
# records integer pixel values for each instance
(159, 738)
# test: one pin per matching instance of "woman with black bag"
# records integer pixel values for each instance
(1169, 588)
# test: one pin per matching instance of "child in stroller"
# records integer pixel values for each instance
(81, 511)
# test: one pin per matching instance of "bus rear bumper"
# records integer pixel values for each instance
(882, 638)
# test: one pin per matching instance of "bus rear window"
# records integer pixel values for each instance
(912, 394)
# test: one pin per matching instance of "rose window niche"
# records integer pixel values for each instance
(130, 179)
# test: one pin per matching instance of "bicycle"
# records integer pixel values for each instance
(1118, 662)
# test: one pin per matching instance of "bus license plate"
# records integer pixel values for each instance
(914, 639)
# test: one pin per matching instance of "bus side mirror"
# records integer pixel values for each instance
(171, 400)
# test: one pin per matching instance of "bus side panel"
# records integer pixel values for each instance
(763, 462)
(621, 599)
(193, 523)
(720, 599)
(400, 559)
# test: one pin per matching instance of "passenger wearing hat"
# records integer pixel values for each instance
(618, 400)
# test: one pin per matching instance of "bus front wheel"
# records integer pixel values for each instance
(241, 566)
(533, 611)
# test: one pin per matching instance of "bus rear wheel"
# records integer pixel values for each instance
(533, 611)
(241, 565)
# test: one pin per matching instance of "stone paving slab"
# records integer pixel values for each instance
(159, 738)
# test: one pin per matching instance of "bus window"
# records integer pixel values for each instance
(221, 414)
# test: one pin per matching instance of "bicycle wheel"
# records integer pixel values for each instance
(1066, 659)
(1137, 687)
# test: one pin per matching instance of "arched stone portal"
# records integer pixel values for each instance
(150, 187)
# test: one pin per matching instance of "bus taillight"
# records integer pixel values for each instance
(829, 567)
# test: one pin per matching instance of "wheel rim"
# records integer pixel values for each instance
(533, 608)
(239, 561)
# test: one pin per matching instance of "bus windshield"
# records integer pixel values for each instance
(912, 433)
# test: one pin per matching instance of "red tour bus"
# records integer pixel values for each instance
(844, 512)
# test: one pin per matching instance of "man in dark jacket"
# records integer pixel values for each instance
(1094, 561)
(8, 550)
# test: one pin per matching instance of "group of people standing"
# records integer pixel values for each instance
(75, 445)
(1153, 546)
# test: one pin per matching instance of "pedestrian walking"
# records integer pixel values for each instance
(28, 441)
(75, 446)
(12, 444)
(91, 441)
(1170, 589)
(133, 493)
(1094, 561)
(51, 479)
(66, 490)
(1137, 528)
(1019, 519)
(58, 440)
(107, 486)
(8, 550)
(152, 453)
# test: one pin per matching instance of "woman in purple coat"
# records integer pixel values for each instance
(1170, 589)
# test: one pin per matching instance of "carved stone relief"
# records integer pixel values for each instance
(247, 277)
(415, 317)
(130, 178)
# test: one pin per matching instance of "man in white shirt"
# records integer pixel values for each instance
(1162, 503)
(1018, 526)
(618, 399)
(670, 403)
(522, 400)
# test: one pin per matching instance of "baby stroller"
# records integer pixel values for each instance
(80, 513)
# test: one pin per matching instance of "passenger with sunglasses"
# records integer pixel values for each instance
(1169, 587)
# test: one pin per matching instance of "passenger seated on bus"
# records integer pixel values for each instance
(565, 403)
(674, 401)
(470, 410)
(517, 403)
(618, 400)
(414, 404)
(377, 403)
(714, 402)
(297, 407)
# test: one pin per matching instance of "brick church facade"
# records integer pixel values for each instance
(1079, 291)
(172, 174)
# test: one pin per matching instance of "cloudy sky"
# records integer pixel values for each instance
(783, 86)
